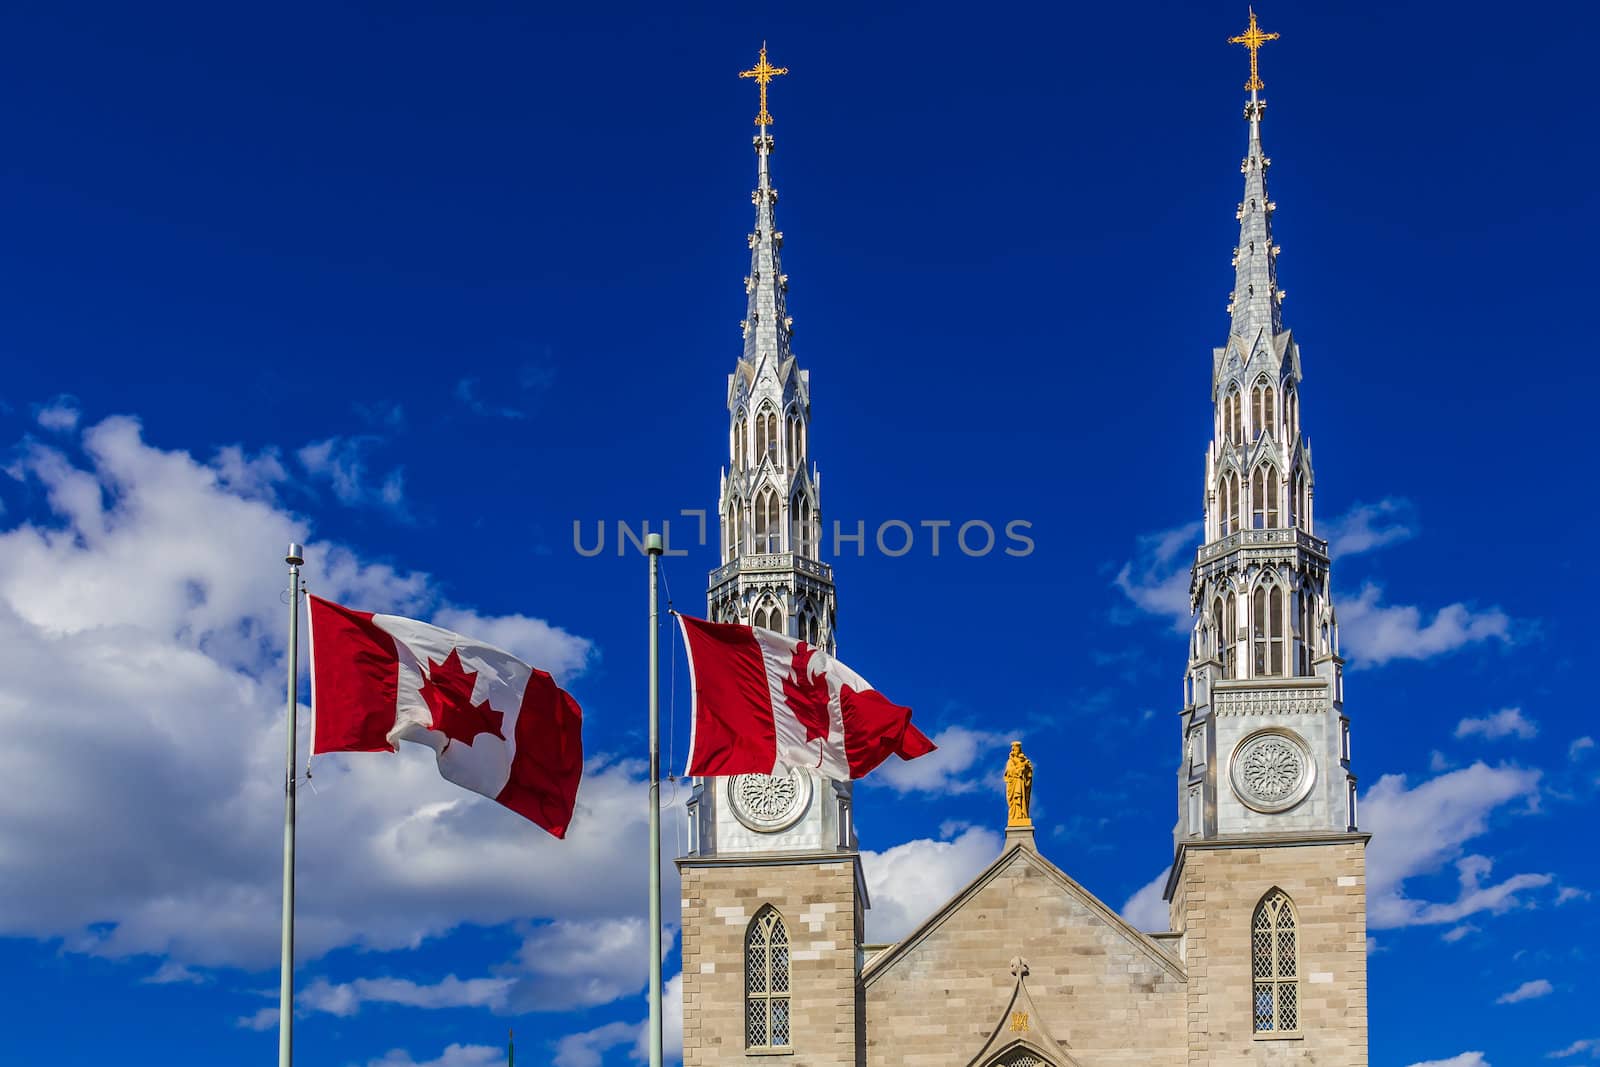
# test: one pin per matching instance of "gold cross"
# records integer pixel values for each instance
(763, 72)
(1253, 39)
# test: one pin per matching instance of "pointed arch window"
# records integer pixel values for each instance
(1267, 629)
(769, 616)
(794, 438)
(1275, 965)
(1262, 413)
(766, 982)
(1264, 498)
(733, 531)
(1231, 506)
(804, 536)
(1232, 426)
(740, 445)
(1228, 637)
(1291, 412)
(766, 434)
(769, 522)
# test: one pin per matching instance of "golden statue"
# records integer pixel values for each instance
(1019, 787)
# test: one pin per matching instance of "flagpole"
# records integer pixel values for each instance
(286, 964)
(653, 548)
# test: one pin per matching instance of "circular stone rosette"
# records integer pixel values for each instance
(768, 803)
(1272, 770)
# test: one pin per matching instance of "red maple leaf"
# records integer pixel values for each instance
(807, 696)
(448, 693)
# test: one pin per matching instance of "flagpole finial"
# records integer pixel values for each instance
(296, 556)
(653, 545)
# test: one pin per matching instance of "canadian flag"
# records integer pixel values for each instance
(764, 701)
(498, 726)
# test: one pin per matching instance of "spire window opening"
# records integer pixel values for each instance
(1264, 502)
(1291, 412)
(1230, 515)
(1267, 630)
(766, 434)
(795, 440)
(1262, 410)
(804, 535)
(768, 616)
(740, 445)
(1229, 635)
(1232, 427)
(769, 522)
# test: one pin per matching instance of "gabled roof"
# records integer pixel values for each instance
(885, 961)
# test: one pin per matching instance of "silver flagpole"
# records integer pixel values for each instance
(286, 966)
(653, 547)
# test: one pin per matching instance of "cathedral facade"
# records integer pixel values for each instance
(1264, 961)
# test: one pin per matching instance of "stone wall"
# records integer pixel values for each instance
(1109, 996)
(818, 902)
(1214, 903)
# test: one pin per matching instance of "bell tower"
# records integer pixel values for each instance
(1269, 859)
(773, 893)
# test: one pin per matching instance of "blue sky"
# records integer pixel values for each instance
(423, 286)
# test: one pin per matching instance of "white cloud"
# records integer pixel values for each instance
(342, 463)
(1372, 633)
(588, 1048)
(1368, 526)
(452, 1056)
(1590, 1045)
(1157, 578)
(1533, 990)
(908, 881)
(1503, 723)
(148, 736)
(942, 770)
(61, 414)
(261, 1019)
(1568, 893)
(548, 647)
(1466, 1059)
(1146, 910)
(1417, 831)
(347, 998)
(1457, 933)
(173, 973)
(1579, 748)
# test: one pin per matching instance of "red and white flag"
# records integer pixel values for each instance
(764, 701)
(498, 726)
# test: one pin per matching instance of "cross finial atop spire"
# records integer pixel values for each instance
(1252, 39)
(763, 72)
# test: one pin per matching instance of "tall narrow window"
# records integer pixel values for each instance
(740, 446)
(1232, 513)
(794, 441)
(803, 536)
(766, 982)
(1275, 966)
(1258, 631)
(766, 434)
(769, 529)
(1268, 415)
(1291, 413)
(731, 530)
(1234, 430)
(1275, 632)
(1229, 637)
(1272, 498)
(1218, 635)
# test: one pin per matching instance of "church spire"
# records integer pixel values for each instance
(1265, 738)
(766, 324)
(771, 573)
(1256, 297)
